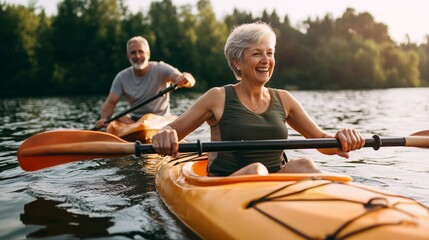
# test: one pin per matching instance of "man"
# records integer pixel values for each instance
(142, 80)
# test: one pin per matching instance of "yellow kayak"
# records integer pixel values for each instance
(142, 130)
(285, 206)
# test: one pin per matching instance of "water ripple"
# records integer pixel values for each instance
(117, 196)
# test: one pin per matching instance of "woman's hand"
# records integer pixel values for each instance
(350, 139)
(166, 142)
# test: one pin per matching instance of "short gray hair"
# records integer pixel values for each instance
(137, 39)
(242, 37)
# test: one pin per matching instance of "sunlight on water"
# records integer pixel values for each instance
(118, 196)
(387, 113)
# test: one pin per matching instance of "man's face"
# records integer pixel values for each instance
(138, 55)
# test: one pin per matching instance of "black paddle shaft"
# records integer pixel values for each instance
(375, 142)
(146, 101)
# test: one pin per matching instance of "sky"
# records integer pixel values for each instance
(401, 16)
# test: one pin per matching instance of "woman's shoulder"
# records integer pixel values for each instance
(212, 97)
(215, 92)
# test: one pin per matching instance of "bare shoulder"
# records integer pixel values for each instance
(217, 90)
(213, 101)
(215, 93)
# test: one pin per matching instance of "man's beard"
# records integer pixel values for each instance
(138, 66)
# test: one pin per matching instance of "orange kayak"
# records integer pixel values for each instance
(142, 130)
(286, 206)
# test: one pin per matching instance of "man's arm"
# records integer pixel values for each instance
(107, 109)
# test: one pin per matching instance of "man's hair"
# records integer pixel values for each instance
(137, 39)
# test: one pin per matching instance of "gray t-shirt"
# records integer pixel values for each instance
(138, 89)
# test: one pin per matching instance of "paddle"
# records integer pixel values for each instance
(58, 147)
(146, 101)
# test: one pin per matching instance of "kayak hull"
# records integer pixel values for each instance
(142, 130)
(286, 206)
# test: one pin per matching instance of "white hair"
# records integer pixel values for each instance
(242, 37)
(137, 39)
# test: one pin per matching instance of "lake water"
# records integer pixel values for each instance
(117, 199)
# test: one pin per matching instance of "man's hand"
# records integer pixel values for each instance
(185, 80)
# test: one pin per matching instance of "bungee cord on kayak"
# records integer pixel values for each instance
(372, 205)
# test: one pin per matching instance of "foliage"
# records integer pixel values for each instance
(81, 48)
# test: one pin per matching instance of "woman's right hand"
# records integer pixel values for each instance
(350, 139)
(166, 142)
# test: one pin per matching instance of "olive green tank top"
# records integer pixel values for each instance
(238, 123)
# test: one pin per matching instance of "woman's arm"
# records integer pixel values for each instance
(299, 120)
(207, 108)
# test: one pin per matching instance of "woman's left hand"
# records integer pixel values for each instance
(350, 139)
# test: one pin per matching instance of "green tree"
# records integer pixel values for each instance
(165, 26)
(43, 55)
(82, 48)
(190, 59)
(401, 67)
(18, 39)
(87, 44)
(423, 52)
(319, 30)
(103, 19)
(238, 17)
(361, 24)
(69, 40)
(211, 40)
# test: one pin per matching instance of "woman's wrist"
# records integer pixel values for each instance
(327, 135)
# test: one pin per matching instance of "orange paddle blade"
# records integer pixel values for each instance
(53, 148)
(421, 133)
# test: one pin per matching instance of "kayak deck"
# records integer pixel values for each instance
(142, 130)
(196, 173)
(286, 206)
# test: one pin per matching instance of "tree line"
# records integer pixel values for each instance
(81, 48)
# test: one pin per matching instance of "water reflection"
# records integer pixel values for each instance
(118, 194)
(117, 197)
(56, 221)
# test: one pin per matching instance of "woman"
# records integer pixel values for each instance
(248, 110)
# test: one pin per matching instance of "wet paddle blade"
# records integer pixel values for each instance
(422, 133)
(53, 148)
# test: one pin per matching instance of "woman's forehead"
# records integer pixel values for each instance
(265, 43)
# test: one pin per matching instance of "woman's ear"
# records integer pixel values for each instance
(236, 64)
